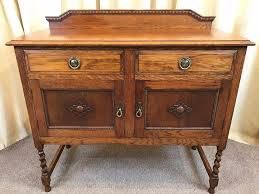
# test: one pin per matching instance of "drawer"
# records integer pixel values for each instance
(185, 61)
(92, 61)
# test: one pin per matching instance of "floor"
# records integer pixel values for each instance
(129, 169)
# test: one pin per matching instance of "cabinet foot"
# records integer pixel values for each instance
(212, 172)
(47, 171)
(214, 178)
(45, 176)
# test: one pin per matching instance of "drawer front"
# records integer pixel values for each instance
(201, 61)
(179, 108)
(92, 61)
(85, 109)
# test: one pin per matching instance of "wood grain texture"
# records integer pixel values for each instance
(104, 39)
(129, 61)
(20, 57)
(126, 28)
(178, 133)
(57, 60)
(162, 21)
(166, 62)
(131, 141)
(238, 67)
(75, 75)
(183, 76)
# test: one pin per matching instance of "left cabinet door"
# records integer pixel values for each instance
(78, 108)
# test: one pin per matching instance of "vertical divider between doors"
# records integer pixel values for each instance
(129, 60)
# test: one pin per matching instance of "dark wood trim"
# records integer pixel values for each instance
(204, 160)
(131, 12)
(55, 159)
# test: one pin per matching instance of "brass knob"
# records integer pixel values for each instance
(79, 108)
(179, 109)
(185, 63)
(74, 63)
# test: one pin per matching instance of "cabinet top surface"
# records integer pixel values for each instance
(130, 28)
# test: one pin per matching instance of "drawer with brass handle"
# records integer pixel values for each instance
(92, 61)
(185, 61)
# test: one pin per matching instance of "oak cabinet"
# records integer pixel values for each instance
(130, 77)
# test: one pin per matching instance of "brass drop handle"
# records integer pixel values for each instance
(120, 111)
(139, 110)
(185, 63)
(74, 63)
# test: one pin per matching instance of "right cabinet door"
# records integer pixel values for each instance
(180, 108)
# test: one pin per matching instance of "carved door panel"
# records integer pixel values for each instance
(177, 108)
(91, 109)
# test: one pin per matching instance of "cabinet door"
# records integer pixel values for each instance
(71, 108)
(180, 108)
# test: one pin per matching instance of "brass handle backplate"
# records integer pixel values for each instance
(74, 63)
(79, 108)
(179, 109)
(139, 110)
(120, 111)
(185, 63)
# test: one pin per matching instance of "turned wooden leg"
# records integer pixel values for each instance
(45, 177)
(214, 178)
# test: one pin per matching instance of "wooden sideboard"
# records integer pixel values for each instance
(152, 77)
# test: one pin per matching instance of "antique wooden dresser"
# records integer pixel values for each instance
(130, 77)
